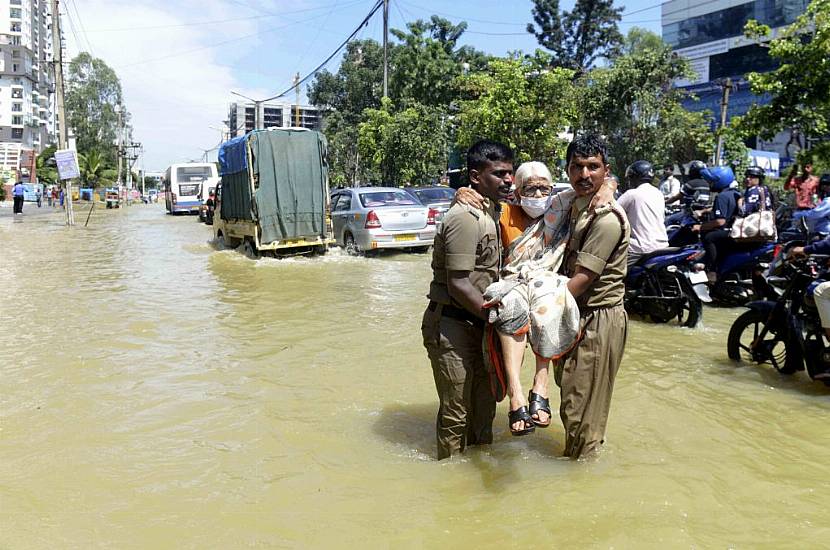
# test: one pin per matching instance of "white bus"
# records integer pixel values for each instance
(184, 185)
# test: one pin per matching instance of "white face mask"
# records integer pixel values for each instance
(534, 207)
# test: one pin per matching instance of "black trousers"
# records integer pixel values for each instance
(18, 205)
(716, 243)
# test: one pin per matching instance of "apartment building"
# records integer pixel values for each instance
(710, 35)
(241, 117)
(26, 81)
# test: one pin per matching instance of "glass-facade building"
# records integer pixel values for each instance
(710, 34)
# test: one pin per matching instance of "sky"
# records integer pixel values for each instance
(179, 60)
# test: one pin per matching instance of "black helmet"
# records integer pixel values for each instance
(755, 172)
(639, 171)
(695, 168)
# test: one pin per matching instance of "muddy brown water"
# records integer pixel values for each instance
(159, 393)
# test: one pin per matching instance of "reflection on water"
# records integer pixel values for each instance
(157, 391)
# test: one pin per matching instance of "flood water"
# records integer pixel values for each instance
(159, 393)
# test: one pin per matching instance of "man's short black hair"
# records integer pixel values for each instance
(587, 145)
(484, 151)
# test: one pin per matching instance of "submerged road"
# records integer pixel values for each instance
(157, 392)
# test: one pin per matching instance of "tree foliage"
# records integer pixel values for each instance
(633, 103)
(404, 146)
(427, 60)
(800, 88)
(579, 37)
(45, 166)
(520, 103)
(93, 97)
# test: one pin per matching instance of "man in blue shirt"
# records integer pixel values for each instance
(18, 197)
(715, 232)
(821, 294)
(818, 218)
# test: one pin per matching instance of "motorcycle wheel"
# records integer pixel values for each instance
(692, 308)
(774, 349)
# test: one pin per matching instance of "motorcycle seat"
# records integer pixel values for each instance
(660, 252)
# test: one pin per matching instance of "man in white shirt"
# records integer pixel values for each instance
(670, 185)
(645, 207)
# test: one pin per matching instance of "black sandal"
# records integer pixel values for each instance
(539, 403)
(522, 415)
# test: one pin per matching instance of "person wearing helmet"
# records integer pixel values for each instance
(818, 218)
(715, 233)
(756, 191)
(645, 208)
(694, 193)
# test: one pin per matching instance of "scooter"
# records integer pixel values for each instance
(658, 286)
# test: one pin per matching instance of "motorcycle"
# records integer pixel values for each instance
(784, 329)
(734, 286)
(658, 286)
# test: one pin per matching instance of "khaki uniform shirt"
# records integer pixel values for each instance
(604, 251)
(468, 240)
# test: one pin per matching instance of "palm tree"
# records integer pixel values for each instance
(92, 167)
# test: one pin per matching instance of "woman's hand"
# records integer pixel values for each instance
(470, 197)
(604, 195)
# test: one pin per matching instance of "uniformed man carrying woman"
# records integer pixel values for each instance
(466, 258)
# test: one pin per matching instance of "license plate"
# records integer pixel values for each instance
(407, 237)
(696, 277)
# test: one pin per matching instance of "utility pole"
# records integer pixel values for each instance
(57, 55)
(142, 172)
(130, 156)
(385, 48)
(724, 106)
(297, 105)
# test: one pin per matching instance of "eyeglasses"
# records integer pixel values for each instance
(530, 190)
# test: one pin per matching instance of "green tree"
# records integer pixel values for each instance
(520, 102)
(799, 89)
(45, 169)
(633, 103)
(404, 146)
(579, 37)
(427, 60)
(93, 96)
(92, 167)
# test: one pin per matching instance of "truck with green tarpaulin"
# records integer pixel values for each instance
(273, 197)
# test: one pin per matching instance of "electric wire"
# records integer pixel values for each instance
(82, 27)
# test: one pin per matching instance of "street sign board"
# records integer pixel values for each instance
(67, 164)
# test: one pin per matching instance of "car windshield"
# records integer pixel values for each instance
(386, 198)
(434, 195)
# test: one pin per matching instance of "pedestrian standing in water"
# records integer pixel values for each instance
(595, 261)
(39, 196)
(62, 196)
(17, 194)
(466, 258)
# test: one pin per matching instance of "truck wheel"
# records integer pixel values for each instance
(250, 250)
(350, 245)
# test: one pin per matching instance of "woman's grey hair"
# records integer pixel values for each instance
(532, 169)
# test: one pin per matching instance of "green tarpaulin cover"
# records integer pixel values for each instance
(291, 196)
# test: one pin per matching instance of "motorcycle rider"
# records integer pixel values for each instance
(645, 208)
(669, 185)
(715, 233)
(755, 188)
(695, 192)
(821, 294)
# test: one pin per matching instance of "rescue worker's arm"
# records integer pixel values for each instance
(581, 281)
(598, 247)
(462, 291)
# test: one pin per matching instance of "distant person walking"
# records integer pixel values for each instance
(39, 196)
(17, 192)
(55, 197)
(62, 196)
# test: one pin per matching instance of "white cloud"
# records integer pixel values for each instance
(173, 96)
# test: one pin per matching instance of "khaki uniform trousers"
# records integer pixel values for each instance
(466, 406)
(586, 379)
